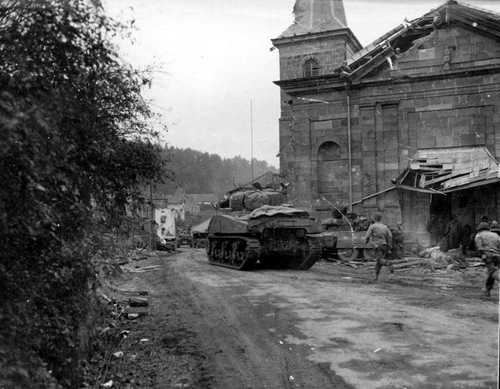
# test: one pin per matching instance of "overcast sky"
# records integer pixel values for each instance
(214, 56)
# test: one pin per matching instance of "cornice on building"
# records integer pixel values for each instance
(334, 82)
(343, 32)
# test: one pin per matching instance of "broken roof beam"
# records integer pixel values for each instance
(473, 185)
(446, 178)
(428, 170)
(420, 190)
(376, 61)
(381, 43)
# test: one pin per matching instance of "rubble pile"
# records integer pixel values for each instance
(432, 259)
(451, 259)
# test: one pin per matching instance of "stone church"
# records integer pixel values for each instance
(408, 125)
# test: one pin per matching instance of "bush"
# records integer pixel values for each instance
(75, 145)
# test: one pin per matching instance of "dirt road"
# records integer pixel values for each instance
(325, 328)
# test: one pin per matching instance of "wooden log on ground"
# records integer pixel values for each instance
(410, 264)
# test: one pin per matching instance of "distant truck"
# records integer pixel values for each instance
(166, 231)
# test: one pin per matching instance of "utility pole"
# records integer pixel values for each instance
(152, 220)
(251, 139)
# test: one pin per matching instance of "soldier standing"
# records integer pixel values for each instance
(380, 238)
(488, 244)
(495, 227)
(452, 235)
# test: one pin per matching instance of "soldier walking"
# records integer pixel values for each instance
(379, 236)
(488, 244)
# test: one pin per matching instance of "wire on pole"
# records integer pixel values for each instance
(251, 140)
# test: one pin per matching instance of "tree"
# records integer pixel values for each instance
(75, 144)
(198, 172)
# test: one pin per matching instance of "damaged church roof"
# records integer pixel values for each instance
(401, 38)
(313, 16)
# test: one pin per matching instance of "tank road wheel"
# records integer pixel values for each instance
(216, 251)
(226, 252)
(313, 253)
(235, 258)
(234, 252)
(212, 250)
(239, 254)
(347, 254)
(306, 256)
(248, 253)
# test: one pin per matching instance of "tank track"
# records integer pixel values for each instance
(311, 256)
(235, 252)
(303, 257)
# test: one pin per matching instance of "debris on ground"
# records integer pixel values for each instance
(130, 345)
(133, 316)
(136, 269)
(124, 333)
(138, 302)
(439, 259)
(432, 258)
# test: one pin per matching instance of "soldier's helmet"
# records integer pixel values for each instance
(483, 226)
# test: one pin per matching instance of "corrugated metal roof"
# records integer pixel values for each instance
(451, 169)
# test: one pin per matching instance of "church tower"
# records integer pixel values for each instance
(317, 42)
(313, 146)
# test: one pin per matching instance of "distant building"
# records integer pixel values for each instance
(409, 125)
(192, 202)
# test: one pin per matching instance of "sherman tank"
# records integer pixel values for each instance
(278, 237)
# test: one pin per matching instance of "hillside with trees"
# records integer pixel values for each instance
(199, 172)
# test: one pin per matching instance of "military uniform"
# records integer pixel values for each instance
(488, 243)
(379, 236)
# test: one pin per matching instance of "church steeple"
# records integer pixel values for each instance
(315, 16)
(318, 41)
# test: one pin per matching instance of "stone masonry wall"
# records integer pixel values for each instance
(330, 52)
(390, 119)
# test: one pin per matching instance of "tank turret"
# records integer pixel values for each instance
(248, 199)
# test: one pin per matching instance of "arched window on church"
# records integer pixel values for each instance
(311, 68)
(329, 151)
